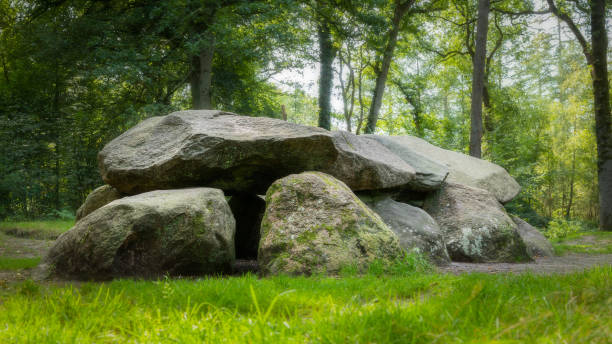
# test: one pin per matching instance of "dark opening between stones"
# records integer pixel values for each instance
(248, 210)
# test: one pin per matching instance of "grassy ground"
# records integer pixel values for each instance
(411, 308)
(18, 263)
(50, 229)
(584, 242)
(406, 304)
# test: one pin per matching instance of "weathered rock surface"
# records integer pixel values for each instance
(463, 169)
(537, 244)
(248, 210)
(97, 198)
(416, 230)
(314, 223)
(241, 154)
(475, 226)
(179, 232)
(429, 174)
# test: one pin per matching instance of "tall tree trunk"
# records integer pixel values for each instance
(57, 138)
(482, 26)
(327, 54)
(603, 127)
(401, 7)
(201, 76)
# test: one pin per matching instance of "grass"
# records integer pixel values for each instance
(49, 229)
(18, 263)
(601, 243)
(405, 308)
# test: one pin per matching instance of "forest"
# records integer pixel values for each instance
(523, 84)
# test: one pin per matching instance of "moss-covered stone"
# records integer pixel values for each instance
(475, 226)
(314, 223)
(179, 232)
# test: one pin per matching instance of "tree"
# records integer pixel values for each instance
(596, 57)
(327, 54)
(400, 8)
(480, 52)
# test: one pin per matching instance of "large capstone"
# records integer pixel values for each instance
(241, 154)
(429, 174)
(463, 169)
(314, 223)
(416, 230)
(176, 232)
(537, 244)
(97, 198)
(475, 226)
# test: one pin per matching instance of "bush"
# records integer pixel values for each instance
(560, 228)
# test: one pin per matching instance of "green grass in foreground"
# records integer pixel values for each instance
(18, 263)
(49, 229)
(411, 308)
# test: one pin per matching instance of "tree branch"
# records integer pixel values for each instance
(568, 20)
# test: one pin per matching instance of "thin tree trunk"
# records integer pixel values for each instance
(603, 127)
(283, 112)
(568, 210)
(5, 69)
(482, 26)
(327, 54)
(381, 78)
(360, 93)
(201, 77)
(56, 112)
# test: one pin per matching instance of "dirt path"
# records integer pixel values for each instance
(15, 247)
(571, 262)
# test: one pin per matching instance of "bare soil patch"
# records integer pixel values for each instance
(572, 262)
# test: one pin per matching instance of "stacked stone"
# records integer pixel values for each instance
(184, 197)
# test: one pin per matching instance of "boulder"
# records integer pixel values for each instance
(475, 226)
(429, 174)
(248, 210)
(416, 230)
(463, 169)
(98, 198)
(241, 154)
(314, 223)
(177, 232)
(537, 244)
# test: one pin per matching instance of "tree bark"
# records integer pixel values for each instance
(401, 7)
(201, 76)
(482, 26)
(603, 127)
(327, 54)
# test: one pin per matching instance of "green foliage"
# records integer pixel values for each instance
(419, 308)
(560, 228)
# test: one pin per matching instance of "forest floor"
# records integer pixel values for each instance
(21, 248)
(563, 299)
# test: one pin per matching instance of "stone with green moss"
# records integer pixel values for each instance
(176, 232)
(475, 226)
(314, 223)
